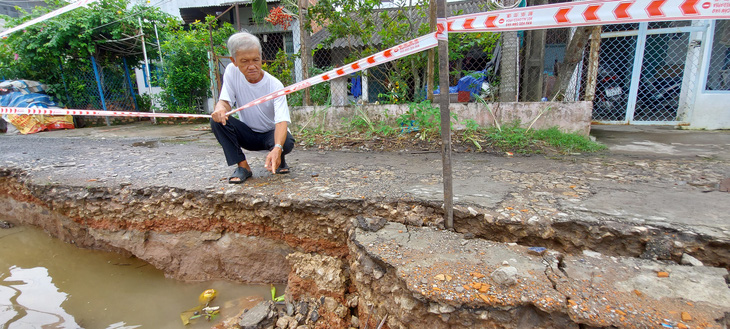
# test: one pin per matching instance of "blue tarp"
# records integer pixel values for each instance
(18, 99)
(471, 83)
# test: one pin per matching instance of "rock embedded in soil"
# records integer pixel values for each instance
(259, 316)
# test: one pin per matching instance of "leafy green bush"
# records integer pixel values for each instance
(281, 68)
(319, 93)
(186, 82)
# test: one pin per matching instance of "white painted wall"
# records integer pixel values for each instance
(711, 107)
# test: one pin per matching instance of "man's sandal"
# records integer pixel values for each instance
(283, 169)
(241, 173)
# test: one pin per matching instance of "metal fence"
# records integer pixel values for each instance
(84, 84)
(404, 80)
(92, 86)
(642, 74)
(633, 73)
(493, 66)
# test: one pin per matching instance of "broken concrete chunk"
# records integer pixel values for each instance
(258, 316)
(591, 253)
(724, 185)
(689, 260)
(303, 308)
(371, 224)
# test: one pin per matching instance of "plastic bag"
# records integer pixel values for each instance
(26, 124)
(56, 122)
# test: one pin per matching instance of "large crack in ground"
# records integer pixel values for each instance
(107, 217)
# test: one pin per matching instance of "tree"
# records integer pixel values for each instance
(186, 83)
(69, 40)
(573, 56)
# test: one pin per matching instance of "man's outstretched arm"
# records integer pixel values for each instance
(273, 159)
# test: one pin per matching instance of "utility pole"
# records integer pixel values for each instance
(443, 49)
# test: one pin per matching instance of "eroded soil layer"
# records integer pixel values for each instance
(507, 271)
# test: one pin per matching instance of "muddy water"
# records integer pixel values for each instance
(51, 284)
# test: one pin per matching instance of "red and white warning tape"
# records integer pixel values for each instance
(591, 12)
(44, 111)
(582, 13)
(54, 13)
(422, 43)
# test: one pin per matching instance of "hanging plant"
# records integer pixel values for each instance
(278, 17)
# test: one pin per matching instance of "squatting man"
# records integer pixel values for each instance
(262, 127)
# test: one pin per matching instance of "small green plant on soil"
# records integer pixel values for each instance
(423, 117)
(362, 123)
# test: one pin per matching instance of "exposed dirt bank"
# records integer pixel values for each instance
(329, 229)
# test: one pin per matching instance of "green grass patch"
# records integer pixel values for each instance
(568, 143)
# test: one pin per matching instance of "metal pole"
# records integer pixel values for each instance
(65, 87)
(636, 72)
(98, 85)
(443, 49)
(146, 67)
(159, 49)
(129, 81)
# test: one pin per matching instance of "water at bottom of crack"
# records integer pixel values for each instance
(45, 282)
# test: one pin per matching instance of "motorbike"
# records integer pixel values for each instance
(611, 97)
(658, 99)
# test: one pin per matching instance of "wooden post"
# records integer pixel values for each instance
(593, 63)
(304, 49)
(431, 52)
(238, 20)
(443, 49)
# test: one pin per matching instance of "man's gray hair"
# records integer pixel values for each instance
(243, 41)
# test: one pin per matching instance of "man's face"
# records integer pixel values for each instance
(249, 63)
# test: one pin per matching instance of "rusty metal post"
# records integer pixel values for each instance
(443, 49)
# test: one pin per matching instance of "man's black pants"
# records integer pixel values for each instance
(236, 135)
